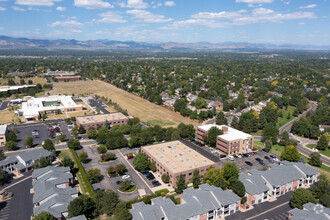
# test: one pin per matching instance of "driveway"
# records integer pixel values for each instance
(99, 105)
(4, 105)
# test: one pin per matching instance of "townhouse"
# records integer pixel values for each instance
(52, 191)
(310, 211)
(3, 134)
(207, 202)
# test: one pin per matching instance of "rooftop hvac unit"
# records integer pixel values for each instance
(149, 147)
(174, 167)
(184, 147)
(180, 154)
(175, 155)
(166, 161)
(195, 164)
(196, 155)
(181, 160)
(156, 153)
(189, 150)
(190, 166)
(160, 156)
(187, 158)
(204, 160)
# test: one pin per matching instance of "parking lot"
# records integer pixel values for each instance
(98, 104)
(111, 182)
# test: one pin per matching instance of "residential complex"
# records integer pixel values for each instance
(278, 180)
(53, 191)
(310, 211)
(64, 76)
(3, 134)
(232, 141)
(97, 121)
(175, 158)
(33, 107)
(207, 202)
(23, 162)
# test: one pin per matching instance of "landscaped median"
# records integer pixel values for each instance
(84, 183)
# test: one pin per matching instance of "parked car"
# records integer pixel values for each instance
(230, 158)
(258, 159)
(156, 183)
(222, 155)
(267, 158)
(150, 176)
(125, 177)
(145, 172)
(249, 163)
(261, 162)
(239, 156)
(118, 182)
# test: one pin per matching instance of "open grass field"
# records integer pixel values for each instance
(258, 145)
(7, 116)
(325, 152)
(135, 105)
(282, 121)
(35, 81)
(277, 149)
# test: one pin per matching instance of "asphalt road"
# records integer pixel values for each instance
(276, 210)
(20, 206)
(4, 105)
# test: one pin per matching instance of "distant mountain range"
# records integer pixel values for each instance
(26, 43)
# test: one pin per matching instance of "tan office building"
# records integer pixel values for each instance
(97, 121)
(3, 134)
(175, 158)
(232, 141)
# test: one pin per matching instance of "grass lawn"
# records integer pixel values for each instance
(35, 80)
(282, 121)
(7, 116)
(135, 105)
(258, 145)
(129, 190)
(325, 152)
(324, 169)
(64, 153)
(160, 123)
(258, 133)
(277, 149)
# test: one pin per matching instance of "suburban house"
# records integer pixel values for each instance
(175, 158)
(35, 107)
(232, 141)
(24, 162)
(53, 191)
(207, 202)
(3, 134)
(310, 211)
(97, 121)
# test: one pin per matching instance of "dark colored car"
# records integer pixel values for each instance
(145, 172)
(246, 155)
(118, 182)
(249, 163)
(261, 162)
(267, 158)
(272, 156)
(156, 183)
(222, 155)
(258, 159)
(150, 176)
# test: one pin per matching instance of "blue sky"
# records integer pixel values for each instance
(255, 21)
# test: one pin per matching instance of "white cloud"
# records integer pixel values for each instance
(148, 17)
(67, 23)
(238, 18)
(138, 4)
(308, 6)
(15, 8)
(110, 17)
(169, 3)
(37, 2)
(255, 1)
(302, 23)
(92, 4)
(2, 9)
(60, 8)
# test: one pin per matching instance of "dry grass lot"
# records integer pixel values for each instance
(35, 81)
(136, 106)
(7, 116)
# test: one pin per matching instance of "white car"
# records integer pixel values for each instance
(239, 156)
(276, 159)
(125, 177)
(230, 158)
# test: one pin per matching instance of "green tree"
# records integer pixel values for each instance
(11, 145)
(152, 166)
(300, 197)
(73, 144)
(120, 168)
(83, 157)
(106, 201)
(94, 175)
(220, 119)
(212, 134)
(67, 162)
(108, 156)
(125, 185)
(238, 188)
(28, 142)
(2, 155)
(75, 131)
(121, 212)
(82, 205)
(234, 122)
(92, 134)
(48, 145)
(268, 145)
(196, 178)
(101, 149)
(270, 132)
(140, 161)
(180, 184)
(44, 216)
(186, 131)
(214, 177)
(315, 159)
(41, 163)
(322, 144)
(135, 142)
(284, 139)
(321, 187)
(180, 104)
(230, 172)
(81, 130)
(165, 178)
(62, 137)
(2, 177)
(325, 200)
(291, 154)
(111, 170)
(11, 136)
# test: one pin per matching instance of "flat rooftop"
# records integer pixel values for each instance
(101, 118)
(233, 134)
(9, 88)
(3, 129)
(177, 157)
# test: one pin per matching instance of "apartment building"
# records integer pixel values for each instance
(175, 158)
(97, 121)
(232, 141)
(310, 211)
(207, 202)
(3, 134)
(52, 191)
(33, 107)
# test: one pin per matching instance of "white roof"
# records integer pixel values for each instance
(7, 88)
(233, 134)
(35, 105)
(3, 129)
